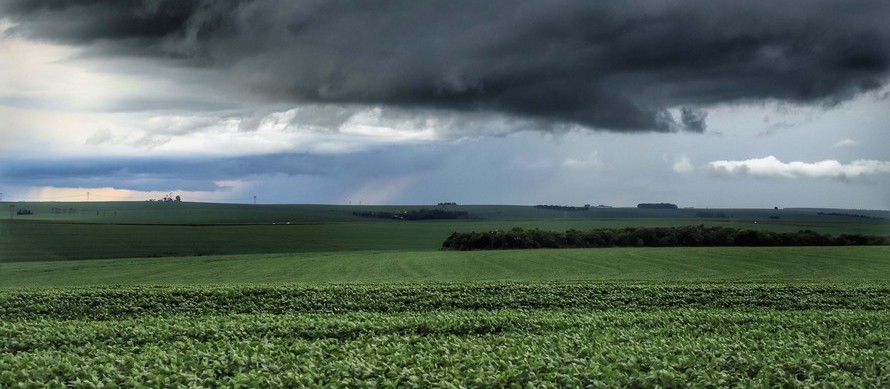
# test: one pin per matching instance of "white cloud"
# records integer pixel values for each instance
(846, 143)
(99, 137)
(683, 165)
(772, 167)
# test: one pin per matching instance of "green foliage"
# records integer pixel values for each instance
(470, 335)
(687, 236)
(104, 303)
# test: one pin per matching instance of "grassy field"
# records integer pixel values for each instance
(727, 264)
(143, 229)
(217, 213)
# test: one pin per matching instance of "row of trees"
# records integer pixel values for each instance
(418, 214)
(168, 198)
(563, 207)
(657, 206)
(851, 215)
(690, 236)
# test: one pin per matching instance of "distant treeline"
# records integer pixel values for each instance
(690, 236)
(563, 207)
(851, 215)
(657, 206)
(418, 214)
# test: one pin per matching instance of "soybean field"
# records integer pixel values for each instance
(449, 335)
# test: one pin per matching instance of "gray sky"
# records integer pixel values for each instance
(706, 104)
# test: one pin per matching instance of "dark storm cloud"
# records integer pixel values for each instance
(693, 118)
(168, 104)
(612, 65)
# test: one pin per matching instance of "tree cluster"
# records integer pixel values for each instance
(417, 214)
(563, 207)
(689, 236)
(850, 215)
(168, 198)
(657, 206)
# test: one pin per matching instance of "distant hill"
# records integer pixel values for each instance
(82, 230)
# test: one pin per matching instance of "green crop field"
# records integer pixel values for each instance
(449, 335)
(209, 295)
(738, 264)
(58, 231)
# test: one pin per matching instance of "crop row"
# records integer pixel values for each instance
(556, 348)
(110, 303)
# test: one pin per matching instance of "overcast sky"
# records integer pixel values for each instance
(718, 103)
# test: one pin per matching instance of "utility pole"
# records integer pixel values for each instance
(254, 199)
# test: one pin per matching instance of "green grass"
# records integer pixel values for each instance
(776, 264)
(127, 230)
(217, 213)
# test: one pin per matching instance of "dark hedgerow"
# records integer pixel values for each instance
(417, 214)
(689, 236)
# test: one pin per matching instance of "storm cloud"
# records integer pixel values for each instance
(609, 65)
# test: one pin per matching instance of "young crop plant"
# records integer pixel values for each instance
(505, 334)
